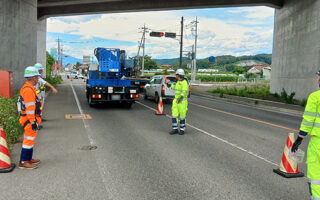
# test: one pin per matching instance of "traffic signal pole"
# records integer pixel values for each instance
(181, 43)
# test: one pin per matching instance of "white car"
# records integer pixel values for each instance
(159, 86)
(80, 76)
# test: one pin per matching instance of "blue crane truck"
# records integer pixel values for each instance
(114, 78)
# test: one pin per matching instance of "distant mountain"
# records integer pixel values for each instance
(221, 61)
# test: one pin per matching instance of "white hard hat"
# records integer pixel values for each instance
(31, 72)
(180, 72)
(38, 66)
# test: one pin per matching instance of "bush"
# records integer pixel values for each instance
(218, 78)
(54, 80)
(287, 98)
(9, 119)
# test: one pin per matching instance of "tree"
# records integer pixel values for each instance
(49, 65)
(148, 62)
(77, 66)
(238, 70)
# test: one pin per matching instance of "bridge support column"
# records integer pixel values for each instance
(296, 48)
(41, 43)
(19, 28)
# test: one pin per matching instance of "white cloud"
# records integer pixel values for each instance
(255, 12)
(216, 37)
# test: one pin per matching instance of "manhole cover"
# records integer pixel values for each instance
(78, 116)
(88, 148)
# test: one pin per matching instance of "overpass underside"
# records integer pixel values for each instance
(47, 8)
(296, 49)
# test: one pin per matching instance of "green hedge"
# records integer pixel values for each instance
(9, 119)
(205, 78)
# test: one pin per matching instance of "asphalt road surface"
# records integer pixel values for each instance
(228, 152)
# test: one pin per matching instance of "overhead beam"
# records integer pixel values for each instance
(144, 5)
(52, 3)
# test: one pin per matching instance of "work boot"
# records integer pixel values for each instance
(27, 165)
(174, 131)
(35, 161)
(181, 132)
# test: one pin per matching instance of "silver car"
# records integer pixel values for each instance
(159, 86)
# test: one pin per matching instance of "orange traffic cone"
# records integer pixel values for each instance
(5, 163)
(288, 167)
(160, 110)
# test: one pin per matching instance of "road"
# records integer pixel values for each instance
(228, 152)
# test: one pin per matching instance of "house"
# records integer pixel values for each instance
(266, 72)
(265, 69)
(166, 66)
(256, 69)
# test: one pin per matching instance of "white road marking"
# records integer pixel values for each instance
(99, 162)
(220, 139)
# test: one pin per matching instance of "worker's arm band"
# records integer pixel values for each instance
(303, 133)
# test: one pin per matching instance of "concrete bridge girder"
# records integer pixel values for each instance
(70, 7)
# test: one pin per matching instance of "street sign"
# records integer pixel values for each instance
(212, 59)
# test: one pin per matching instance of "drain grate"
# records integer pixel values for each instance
(78, 116)
(88, 148)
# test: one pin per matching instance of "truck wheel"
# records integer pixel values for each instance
(145, 96)
(127, 105)
(91, 104)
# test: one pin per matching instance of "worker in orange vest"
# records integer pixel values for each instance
(29, 107)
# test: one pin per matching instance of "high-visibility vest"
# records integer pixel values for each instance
(311, 116)
(30, 103)
(181, 89)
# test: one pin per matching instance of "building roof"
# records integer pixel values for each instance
(259, 67)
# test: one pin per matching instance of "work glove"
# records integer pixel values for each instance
(296, 144)
(180, 100)
(34, 126)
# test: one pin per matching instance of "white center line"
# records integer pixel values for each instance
(220, 139)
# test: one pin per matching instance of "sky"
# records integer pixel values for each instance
(221, 31)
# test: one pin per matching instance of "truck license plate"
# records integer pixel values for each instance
(115, 97)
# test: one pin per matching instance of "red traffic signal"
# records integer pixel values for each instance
(156, 34)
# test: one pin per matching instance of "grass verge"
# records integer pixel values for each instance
(9, 119)
(260, 92)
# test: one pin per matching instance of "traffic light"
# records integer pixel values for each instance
(170, 35)
(156, 34)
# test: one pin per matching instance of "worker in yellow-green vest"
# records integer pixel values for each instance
(180, 103)
(310, 125)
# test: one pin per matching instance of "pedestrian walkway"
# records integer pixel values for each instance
(65, 171)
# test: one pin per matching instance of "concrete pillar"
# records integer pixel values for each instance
(296, 48)
(41, 43)
(18, 37)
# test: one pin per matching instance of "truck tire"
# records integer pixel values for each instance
(91, 104)
(127, 105)
(145, 96)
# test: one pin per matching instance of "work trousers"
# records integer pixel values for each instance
(179, 110)
(29, 138)
(313, 164)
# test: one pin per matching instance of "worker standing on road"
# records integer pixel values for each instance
(180, 103)
(29, 108)
(40, 87)
(311, 125)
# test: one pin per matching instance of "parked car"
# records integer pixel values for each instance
(80, 76)
(74, 75)
(159, 85)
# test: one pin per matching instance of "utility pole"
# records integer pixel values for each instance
(59, 56)
(181, 43)
(142, 44)
(195, 48)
